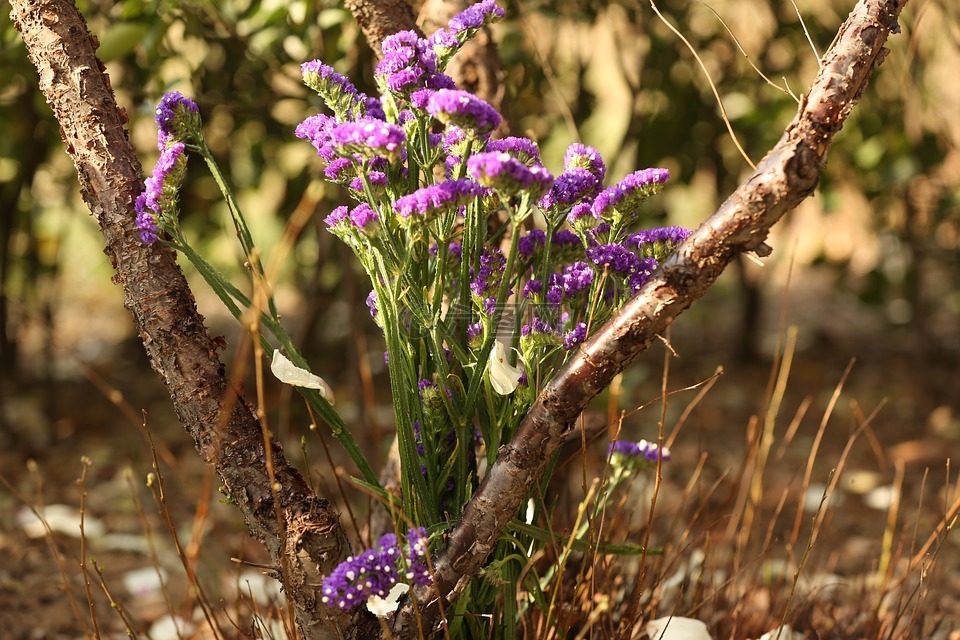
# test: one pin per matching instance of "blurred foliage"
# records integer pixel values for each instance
(885, 222)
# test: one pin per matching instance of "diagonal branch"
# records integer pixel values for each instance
(303, 533)
(788, 174)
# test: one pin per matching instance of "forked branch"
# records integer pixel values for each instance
(786, 176)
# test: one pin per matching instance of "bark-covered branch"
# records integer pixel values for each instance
(381, 18)
(788, 174)
(226, 432)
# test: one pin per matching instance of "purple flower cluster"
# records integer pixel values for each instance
(488, 276)
(614, 256)
(178, 122)
(576, 278)
(529, 243)
(575, 336)
(639, 451)
(337, 91)
(409, 63)
(316, 130)
(626, 195)
(523, 149)
(435, 199)
(374, 571)
(571, 187)
(504, 173)
(463, 26)
(368, 137)
(177, 117)
(463, 109)
(657, 243)
(362, 218)
(580, 156)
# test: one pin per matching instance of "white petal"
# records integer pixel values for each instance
(786, 634)
(289, 373)
(382, 607)
(676, 628)
(503, 377)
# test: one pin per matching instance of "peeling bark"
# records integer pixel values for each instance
(788, 174)
(213, 412)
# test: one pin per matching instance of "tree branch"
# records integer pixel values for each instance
(381, 18)
(788, 174)
(307, 541)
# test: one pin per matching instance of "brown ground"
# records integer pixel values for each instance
(916, 430)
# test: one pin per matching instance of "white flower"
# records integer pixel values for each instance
(676, 628)
(289, 373)
(503, 377)
(383, 607)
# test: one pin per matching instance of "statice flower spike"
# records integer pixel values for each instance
(618, 204)
(428, 202)
(409, 64)
(158, 200)
(571, 187)
(657, 243)
(177, 118)
(523, 149)
(375, 571)
(368, 138)
(464, 26)
(337, 91)
(465, 110)
(584, 157)
(503, 173)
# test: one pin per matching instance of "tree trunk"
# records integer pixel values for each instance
(300, 530)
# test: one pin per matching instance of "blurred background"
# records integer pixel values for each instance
(866, 269)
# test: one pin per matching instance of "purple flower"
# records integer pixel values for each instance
(368, 137)
(564, 238)
(364, 218)
(177, 117)
(581, 217)
(374, 571)
(658, 242)
(614, 256)
(584, 157)
(577, 277)
(504, 173)
(417, 571)
(146, 223)
(159, 191)
(464, 110)
(528, 244)
(316, 129)
(641, 451)
(625, 196)
(638, 278)
(435, 199)
(372, 302)
(575, 336)
(570, 187)
(377, 179)
(533, 288)
(337, 91)
(487, 278)
(444, 42)
(523, 149)
(476, 16)
(535, 326)
(409, 63)
(337, 216)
